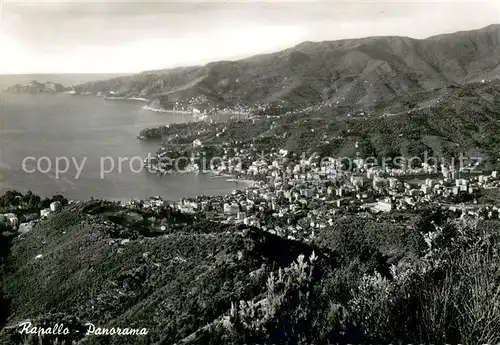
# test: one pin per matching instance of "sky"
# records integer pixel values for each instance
(128, 37)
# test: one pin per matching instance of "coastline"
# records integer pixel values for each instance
(127, 98)
(233, 178)
(248, 182)
(158, 110)
(162, 110)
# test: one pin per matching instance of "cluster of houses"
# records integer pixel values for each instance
(294, 195)
(201, 105)
(316, 192)
(12, 220)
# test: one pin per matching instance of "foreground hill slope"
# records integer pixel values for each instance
(361, 280)
(346, 71)
(82, 266)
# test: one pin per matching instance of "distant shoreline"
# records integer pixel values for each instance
(149, 107)
(162, 110)
(128, 98)
(232, 178)
(245, 181)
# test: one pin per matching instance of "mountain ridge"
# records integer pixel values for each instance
(66, 79)
(38, 87)
(352, 71)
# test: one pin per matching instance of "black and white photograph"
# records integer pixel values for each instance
(249, 172)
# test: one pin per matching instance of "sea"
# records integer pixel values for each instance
(92, 134)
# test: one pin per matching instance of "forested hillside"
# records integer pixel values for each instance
(430, 277)
(353, 71)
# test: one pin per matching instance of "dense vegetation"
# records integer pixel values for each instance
(425, 277)
(461, 120)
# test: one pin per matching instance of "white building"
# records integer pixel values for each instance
(252, 221)
(12, 219)
(483, 179)
(357, 181)
(231, 209)
(378, 182)
(25, 228)
(384, 206)
(54, 206)
(392, 182)
(197, 143)
(426, 189)
(45, 212)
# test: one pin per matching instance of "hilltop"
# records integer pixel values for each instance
(37, 87)
(352, 71)
(7, 80)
